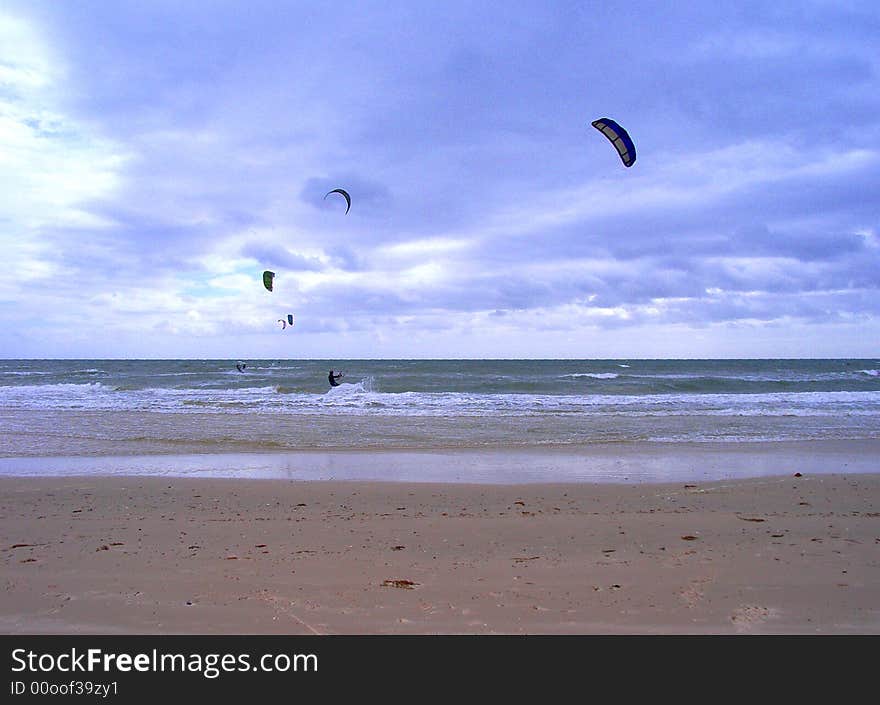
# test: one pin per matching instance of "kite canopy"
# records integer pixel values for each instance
(290, 319)
(344, 195)
(283, 324)
(267, 279)
(619, 138)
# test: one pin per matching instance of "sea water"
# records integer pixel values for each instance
(127, 407)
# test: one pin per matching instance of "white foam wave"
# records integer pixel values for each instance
(594, 375)
(58, 387)
(793, 377)
(361, 398)
(346, 389)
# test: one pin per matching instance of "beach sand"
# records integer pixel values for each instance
(99, 555)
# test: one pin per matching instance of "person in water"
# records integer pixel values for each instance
(334, 378)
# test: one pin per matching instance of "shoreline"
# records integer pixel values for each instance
(157, 555)
(618, 462)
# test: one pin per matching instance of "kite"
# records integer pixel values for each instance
(619, 138)
(344, 195)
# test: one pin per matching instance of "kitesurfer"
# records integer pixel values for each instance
(240, 366)
(334, 378)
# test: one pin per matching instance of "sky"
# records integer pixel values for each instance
(156, 157)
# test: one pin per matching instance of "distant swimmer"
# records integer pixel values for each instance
(334, 378)
(241, 366)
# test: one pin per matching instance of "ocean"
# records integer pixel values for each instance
(144, 407)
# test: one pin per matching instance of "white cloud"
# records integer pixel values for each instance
(49, 164)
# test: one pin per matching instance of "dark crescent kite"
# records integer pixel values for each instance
(344, 195)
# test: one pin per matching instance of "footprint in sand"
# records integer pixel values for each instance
(748, 617)
(693, 593)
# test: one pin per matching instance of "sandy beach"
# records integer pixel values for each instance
(100, 555)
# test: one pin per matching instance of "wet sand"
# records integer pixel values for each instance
(639, 462)
(102, 555)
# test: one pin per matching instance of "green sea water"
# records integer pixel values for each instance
(112, 407)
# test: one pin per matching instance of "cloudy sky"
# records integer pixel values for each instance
(156, 157)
